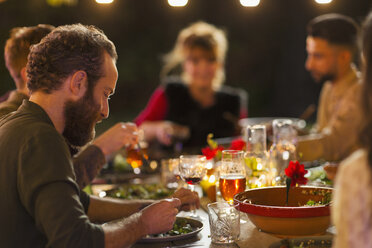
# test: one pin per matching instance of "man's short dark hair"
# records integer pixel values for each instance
(17, 47)
(65, 50)
(337, 29)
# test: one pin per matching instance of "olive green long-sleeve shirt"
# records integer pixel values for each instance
(41, 204)
(87, 163)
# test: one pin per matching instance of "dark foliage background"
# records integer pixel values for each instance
(266, 45)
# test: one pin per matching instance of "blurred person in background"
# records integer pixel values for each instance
(331, 46)
(194, 103)
(352, 199)
(71, 74)
(16, 51)
(92, 158)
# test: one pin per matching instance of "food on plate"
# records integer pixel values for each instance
(140, 191)
(181, 226)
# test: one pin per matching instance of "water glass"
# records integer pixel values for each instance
(224, 222)
(170, 172)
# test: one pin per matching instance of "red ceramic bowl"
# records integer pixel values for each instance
(266, 208)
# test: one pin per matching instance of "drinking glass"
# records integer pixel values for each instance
(256, 156)
(283, 148)
(136, 156)
(224, 222)
(232, 174)
(192, 169)
(170, 172)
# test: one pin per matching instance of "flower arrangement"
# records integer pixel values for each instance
(214, 150)
(295, 173)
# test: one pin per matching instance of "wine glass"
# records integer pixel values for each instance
(232, 174)
(192, 169)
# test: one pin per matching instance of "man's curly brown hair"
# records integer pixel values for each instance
(65, 50)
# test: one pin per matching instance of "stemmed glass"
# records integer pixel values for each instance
(192, 169)
(232, 174)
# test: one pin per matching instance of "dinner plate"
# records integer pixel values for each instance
(308, 242)
(196, 225)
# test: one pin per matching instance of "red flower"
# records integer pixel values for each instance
(237, 144)
(210, 153)
(296, 172)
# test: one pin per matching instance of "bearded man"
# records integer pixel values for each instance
(89, 161)
(71, 75)
(331, 46)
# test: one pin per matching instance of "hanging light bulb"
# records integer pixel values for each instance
(177, 3)
(249, 3)
(323, 1)
(104, 1)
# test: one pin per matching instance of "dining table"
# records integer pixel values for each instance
(250, 236)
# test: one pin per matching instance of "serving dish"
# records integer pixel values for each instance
(267, 210)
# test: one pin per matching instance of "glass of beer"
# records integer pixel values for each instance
(134, 157)
(232, 174)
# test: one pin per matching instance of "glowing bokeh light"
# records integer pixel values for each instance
(323, 1)
(250, 3)
(178, 3)
(104, 1)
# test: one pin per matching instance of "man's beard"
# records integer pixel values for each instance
(327, 77)
(80, 119)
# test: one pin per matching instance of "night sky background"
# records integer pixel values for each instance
(266, 53)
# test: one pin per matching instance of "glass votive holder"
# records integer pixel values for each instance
(224, 221)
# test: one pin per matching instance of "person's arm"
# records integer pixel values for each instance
(91, 159)
(51, 197)
(164, 131)
(48, 192)
(107, 209)
(156, 218)
(87, 164)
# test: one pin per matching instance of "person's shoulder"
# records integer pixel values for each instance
(20, 122)
(229, 93)
(174, 85)
(173, 82)
(6, 108)
(357, 161)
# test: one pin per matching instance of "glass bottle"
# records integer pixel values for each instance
(283, 148)
(256, 156)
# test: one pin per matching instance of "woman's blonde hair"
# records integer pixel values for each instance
(201, 35)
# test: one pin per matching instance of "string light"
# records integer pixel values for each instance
(177, 3)
(104, 1)
(250, 3)
(323, 1)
